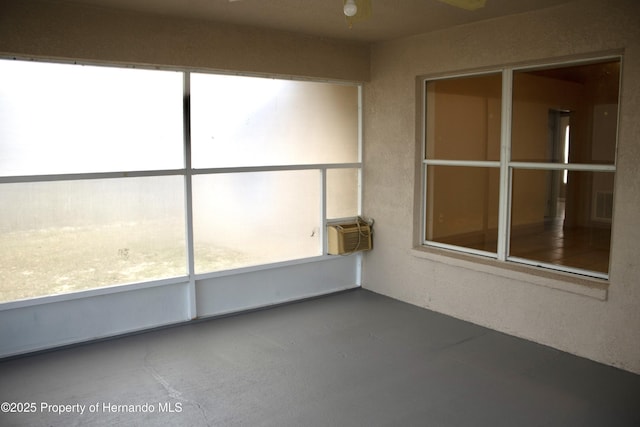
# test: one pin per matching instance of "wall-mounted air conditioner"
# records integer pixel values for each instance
(348, 237)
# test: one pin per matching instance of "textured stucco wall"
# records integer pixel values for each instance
(606, 331)
(39, 28)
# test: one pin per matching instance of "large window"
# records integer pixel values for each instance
(519, 164)
(107, 179)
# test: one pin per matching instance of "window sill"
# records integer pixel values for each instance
(585, 286)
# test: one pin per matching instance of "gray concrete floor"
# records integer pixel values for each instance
(350, 359)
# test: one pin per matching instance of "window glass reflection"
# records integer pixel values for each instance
(463, 118)
(560, 223)
(462, 206)
(583, 97)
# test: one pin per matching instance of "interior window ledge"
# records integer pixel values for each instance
(585, 286)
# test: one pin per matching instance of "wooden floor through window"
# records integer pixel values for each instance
(577, 247)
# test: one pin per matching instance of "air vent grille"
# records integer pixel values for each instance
(603, 209)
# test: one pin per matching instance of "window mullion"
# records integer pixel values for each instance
(505, 157)
(426, 228)
(188, 182)
(563, 166)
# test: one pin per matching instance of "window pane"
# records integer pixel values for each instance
(563, 223)
(462, 206)
(244, 219)
(248, 121)
(566, 115)
(342, 193)
(61, 118)
(64, 236)
(463, 118)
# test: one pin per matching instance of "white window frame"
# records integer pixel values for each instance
(506, 166)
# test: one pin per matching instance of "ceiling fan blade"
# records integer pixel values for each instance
(466, 4)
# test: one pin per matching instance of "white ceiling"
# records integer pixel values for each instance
(390, 19)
